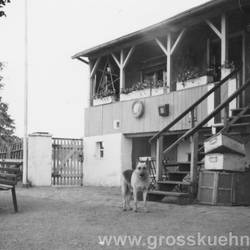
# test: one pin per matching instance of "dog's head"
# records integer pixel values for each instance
(141, 169)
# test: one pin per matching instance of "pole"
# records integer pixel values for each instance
(25, 136)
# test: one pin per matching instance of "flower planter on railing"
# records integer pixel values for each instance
(157, 91)
(194, 82)
(103, 100)
(135, 95)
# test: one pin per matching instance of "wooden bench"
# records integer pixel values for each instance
(10, 173)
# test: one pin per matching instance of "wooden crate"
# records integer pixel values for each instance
(223, 144)
(227, 162)
(224, 188)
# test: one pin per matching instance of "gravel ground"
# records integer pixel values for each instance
(73, 218)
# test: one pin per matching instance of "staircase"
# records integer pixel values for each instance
(178, 181)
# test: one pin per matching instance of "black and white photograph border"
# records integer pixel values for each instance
(124, 124)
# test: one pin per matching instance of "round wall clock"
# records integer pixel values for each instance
(137, 109)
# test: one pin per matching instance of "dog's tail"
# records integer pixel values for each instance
(126, 181)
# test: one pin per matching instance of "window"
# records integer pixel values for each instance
(99, 150)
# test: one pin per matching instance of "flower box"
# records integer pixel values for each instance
(157, 91)
(104, 100)
(194, 82)
(135, 95)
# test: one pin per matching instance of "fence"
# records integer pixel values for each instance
(12, 151)
(67, 158)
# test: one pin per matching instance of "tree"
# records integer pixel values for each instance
(2, 4)
(6, 122)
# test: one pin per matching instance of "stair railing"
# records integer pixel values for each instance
(195, 128)
(194, 105)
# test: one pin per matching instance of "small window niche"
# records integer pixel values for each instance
(99, 150)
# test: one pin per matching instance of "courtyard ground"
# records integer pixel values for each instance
(74, 218)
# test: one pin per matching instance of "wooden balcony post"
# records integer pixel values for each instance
(92, 78)
(169, 41)
(159, 158)
(226, 115)
(168, 51)
(91, 91)
(122, 73)
(194, 144)
(224, 60)
(194, 140)
(122, 63)
(224, 40)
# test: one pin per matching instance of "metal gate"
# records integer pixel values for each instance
(67, 158)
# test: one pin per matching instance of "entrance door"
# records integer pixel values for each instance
(140, 148)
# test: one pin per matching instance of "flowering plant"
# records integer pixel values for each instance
(143, 85)
(104, 93)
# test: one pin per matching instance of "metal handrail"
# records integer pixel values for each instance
(210, 116)
(194, 105)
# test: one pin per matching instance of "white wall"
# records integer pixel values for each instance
(106, 171)
(40, 159)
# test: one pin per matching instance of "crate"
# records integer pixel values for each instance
(227, 162)
(224, 188)
(223, 144)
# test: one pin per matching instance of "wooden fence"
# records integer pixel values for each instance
(12, 151)
(67, 156)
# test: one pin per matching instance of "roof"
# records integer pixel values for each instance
(197, 12)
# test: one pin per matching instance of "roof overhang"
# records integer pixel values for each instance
(183, 20)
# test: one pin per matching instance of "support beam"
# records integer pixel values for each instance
(159, 158)
(94, 68)
(116, 60)
(82, 60)
(122, 73)
(244, 53)
(128, 57)
(161, 46)
(224, 60)
(177, 41)
(169, 41)
(169, 50)
(224, 40)
(194, 140)
(90, 84)
(122, 64)
(208, 46)
(212, 26)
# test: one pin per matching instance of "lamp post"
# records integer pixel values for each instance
(25, 136)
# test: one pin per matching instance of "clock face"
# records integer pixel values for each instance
(137, 109)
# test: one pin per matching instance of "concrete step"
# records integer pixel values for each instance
(168, 182)
(178, 172)
(165, 193)
(180, 198)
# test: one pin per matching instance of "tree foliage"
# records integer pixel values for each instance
(6, 122)
(2, 4)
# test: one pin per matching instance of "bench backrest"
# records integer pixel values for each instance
(9, 173)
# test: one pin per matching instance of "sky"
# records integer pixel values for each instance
(58, 86)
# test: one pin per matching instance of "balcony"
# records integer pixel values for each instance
(118, 117)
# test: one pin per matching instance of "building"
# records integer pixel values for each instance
(141, 83)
